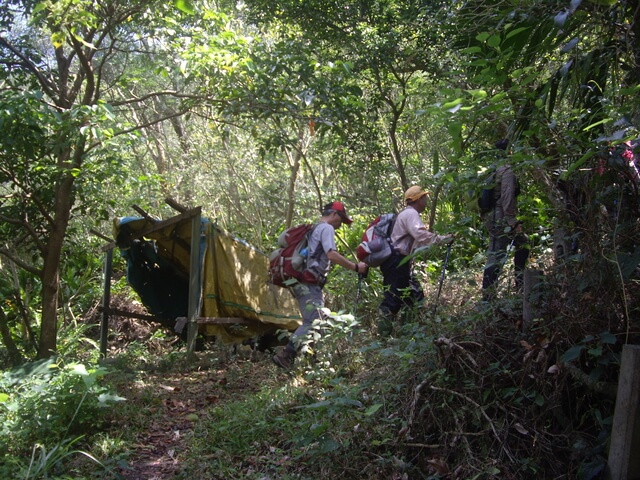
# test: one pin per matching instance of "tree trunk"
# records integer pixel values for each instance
(294, 167)
(15, 358)
(51, 268)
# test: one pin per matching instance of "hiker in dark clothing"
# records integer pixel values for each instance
(504, 229)
(322, 253)
(409, 232)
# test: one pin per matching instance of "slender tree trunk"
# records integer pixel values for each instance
(14, 354)
(294, 168)
(395, 149)
(51, 268)
(294, 159)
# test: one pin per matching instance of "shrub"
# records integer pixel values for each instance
(45, 402)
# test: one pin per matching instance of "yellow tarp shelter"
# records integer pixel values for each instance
(236, 301)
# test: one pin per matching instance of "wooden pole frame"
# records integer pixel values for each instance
(106, 300)
(195, 285)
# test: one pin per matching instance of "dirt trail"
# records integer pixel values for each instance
(175, 402)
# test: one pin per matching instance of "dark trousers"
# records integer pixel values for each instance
(401, 287)
(496, 258)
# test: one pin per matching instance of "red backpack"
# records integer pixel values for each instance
(289, 262)
(376, 247)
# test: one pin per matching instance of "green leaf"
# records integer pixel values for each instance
(3, 397)
(449, 105)
(573, 353)
(577, 164)
(79, 369)
(328, 445)
(593, 125)
(185, 6)
(595, 352)
(515, 32)
(372, 409)
(498, 97)
(478, 94)
(494, 41)
(629, 91)
(608, 338)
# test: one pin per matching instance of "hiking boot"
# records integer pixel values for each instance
(284, 359)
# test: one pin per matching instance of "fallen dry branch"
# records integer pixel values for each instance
(453, 346)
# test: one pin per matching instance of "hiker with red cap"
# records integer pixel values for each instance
(322, 253)
(402, 289)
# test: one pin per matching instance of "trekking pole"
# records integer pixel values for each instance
(361, 276)
(444, 269)
(510, 248)
(355, 309)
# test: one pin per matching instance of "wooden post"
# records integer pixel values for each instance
(624, 461)
(106, 301)
(561, 245)
(195, 283)
(531, 283)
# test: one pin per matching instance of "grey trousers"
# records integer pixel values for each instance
(310, 301)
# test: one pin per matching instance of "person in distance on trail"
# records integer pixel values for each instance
(409, 232)
(503, 227)
(322, 253)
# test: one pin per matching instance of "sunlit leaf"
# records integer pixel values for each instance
(185, 6)
(478, 93)
(452, 104)
(105, 398)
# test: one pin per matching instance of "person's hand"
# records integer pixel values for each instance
(448, 239)
(362, 268)
(515, 228)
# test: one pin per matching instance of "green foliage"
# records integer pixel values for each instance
(597, 353)
(48, 463)
(296, 427)
(45, 402)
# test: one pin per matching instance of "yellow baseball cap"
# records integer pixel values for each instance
(414, 193)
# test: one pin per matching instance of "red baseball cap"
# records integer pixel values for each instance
(338, 207)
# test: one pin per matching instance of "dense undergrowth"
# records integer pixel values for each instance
(466, 393)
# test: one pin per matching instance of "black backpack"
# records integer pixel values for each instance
(487, 199)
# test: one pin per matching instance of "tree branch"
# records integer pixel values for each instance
(44, 83)
(25, 266)
(27, 226)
